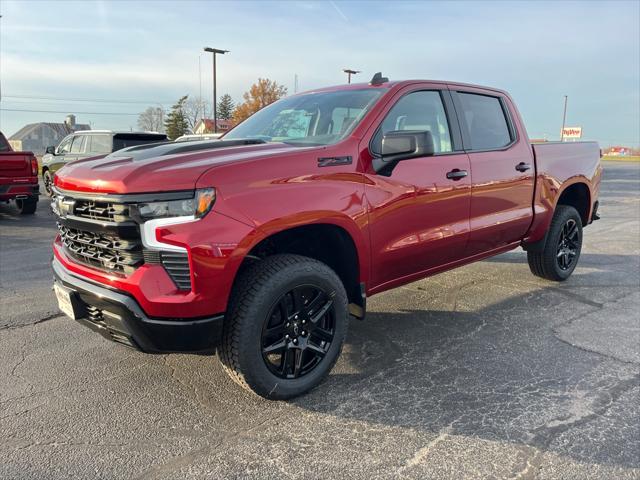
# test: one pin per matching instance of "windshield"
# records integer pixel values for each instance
(320, 118)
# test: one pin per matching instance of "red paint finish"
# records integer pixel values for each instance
(406, 226)
(18, 172)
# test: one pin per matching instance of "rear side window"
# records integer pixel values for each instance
(100, 144)
(124, 140)
(485, 121)
(78, 144)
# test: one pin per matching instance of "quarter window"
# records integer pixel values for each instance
(418, 111)
(100, 144)
(485, 120)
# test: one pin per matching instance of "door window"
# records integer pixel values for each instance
(422, 111)
(485, 120)
(78, 144)
(65, 146)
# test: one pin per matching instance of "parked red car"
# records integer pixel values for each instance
(281, 230)
(18, 178)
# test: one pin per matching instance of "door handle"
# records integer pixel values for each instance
(456, 174)
(523, 167)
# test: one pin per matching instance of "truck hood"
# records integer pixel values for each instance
(165, 167)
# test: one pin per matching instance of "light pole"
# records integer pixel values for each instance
(215, 109)
(350, 72)
(564, 118)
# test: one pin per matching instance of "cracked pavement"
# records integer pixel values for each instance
(481, 372)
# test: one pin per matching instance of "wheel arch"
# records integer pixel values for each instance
(578, 196)
(332, 241)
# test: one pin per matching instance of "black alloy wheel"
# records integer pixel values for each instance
(285, 326)
(568, 245)
(298, 331)
(558, 258)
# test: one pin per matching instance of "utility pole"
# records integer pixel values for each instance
(564, 118)
(295, 83)
(215, 109)
(200, 104)
(350, 72)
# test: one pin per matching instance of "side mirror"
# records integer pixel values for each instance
(402, 145)
(51, 150)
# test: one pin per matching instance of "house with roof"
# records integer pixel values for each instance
(36, 137)
(205, 125)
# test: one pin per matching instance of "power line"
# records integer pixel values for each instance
(90, 100)
(65, 112)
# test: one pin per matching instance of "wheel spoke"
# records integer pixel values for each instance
(315, 303)
(275, 347)
(298, 301)
(321, 312)
(319, 352)
(297, 364)
(285, 360)
(322, 334)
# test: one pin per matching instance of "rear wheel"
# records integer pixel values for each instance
(561, 251)
(285, 328)
(47, 179)
(27, 206)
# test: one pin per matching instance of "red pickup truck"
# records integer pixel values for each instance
(281, 230)
(18, 178)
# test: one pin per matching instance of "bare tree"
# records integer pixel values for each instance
(152, 120)
(193, 111)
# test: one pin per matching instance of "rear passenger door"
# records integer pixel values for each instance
(503, 173)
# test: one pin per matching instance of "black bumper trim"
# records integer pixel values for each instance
(118, 317)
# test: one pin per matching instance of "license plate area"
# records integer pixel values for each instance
(67, 301)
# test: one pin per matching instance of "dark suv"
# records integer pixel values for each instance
(90, 143)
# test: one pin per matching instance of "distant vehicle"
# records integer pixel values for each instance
(90, 143)
(198, 137)
(282, 229)
(18, 178)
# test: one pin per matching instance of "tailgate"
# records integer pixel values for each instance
(15, 164)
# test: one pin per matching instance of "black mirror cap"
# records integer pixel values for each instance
(51, 150)
(401, 145)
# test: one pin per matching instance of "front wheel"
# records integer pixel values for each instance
(559, 257)
(285, 327)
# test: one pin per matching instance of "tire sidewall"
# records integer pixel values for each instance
(565, 214)
(252, 364)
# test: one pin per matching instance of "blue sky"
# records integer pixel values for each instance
(148, 52)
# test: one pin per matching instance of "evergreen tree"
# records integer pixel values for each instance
(225, 107)
(176, 123)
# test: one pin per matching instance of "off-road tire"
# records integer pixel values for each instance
(544, 263)
(255, 292)
(27, 206)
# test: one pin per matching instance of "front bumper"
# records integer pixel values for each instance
(118, 317)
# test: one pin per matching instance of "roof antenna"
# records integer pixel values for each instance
(378, 79)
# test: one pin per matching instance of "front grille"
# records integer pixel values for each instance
(101, 250)
(106, 211)
(106, 235)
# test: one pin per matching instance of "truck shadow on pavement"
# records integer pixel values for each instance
(500, 374)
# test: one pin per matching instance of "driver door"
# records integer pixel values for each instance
(419, 214)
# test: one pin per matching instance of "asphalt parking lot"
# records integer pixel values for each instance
(482, 372)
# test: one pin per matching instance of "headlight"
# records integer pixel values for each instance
(198, 206)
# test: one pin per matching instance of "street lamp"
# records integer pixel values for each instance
(350, 72)
(215, 106)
